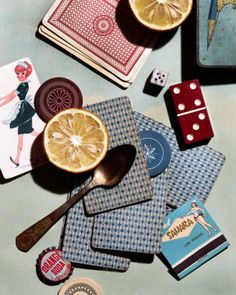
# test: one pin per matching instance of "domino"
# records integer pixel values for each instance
(191, 112)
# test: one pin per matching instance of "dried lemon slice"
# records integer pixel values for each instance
(76, 140)
(161, 15)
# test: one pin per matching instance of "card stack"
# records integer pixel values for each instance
(102, 33)
(111, 226)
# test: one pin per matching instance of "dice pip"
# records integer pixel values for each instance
(191, 112)
(159, 78)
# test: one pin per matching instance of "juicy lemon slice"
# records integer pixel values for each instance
(161, 15)
(76, 140)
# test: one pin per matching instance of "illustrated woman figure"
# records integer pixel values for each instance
(198, 214)
(21, 115)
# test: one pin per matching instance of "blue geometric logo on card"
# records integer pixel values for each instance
(157, 151)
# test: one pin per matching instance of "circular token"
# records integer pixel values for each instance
(83, 286)
(157, 151)
(55, 95)
(51, 268)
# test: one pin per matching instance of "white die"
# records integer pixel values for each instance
(159, 77)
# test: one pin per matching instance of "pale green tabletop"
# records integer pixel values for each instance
(30, 197)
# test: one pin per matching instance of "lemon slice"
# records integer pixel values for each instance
(76, 140)
(161, 15)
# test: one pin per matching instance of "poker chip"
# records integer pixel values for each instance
(51, 268)
(157, 151)
(83, 286)
(55, 95)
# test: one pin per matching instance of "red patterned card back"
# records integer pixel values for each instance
(104, 30)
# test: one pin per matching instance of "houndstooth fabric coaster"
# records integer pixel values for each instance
(136, 186)
(76, 243)
(136, 228)
(192, 172)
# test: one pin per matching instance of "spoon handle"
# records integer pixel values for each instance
(29, 237)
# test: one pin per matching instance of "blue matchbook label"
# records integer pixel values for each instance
(191, 237)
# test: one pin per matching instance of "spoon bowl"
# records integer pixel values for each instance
(108, 173)
(114, 166)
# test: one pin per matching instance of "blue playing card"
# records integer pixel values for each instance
(136, 186)
(135, 228)
(76, 242)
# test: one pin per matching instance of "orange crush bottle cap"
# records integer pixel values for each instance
(51, 268)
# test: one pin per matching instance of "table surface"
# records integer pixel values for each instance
(33, 195)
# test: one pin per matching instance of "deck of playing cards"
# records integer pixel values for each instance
(128, 219)
(102, 33)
